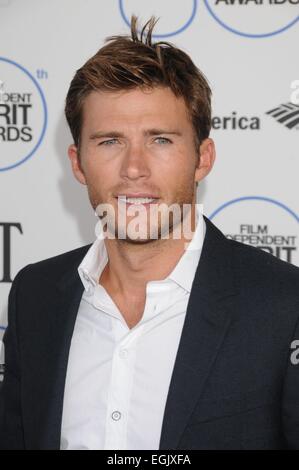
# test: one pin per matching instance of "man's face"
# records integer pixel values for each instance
(139, 142)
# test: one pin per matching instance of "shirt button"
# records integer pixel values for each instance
(116, 415)
(123, 352)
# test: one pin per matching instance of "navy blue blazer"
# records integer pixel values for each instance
(235, 383)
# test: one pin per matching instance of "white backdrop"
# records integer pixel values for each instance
(249, 52)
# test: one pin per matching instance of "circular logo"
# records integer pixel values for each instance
(261, 222)
(254, 18)
(177, 15)
(23, 114)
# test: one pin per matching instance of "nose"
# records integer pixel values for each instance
(135, 163)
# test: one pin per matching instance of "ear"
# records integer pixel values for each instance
(73, 154)
(207, 155)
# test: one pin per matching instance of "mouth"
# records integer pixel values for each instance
(146, 201)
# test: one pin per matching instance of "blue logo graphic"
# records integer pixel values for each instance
(44, 105)
(164, 35)
(248, 35)
(2, 327)
(255, 198)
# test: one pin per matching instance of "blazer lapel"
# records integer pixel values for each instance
(207, 320)
(61, 316)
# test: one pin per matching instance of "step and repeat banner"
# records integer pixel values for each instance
(248, 49)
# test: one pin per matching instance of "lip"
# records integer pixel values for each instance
(138, 195)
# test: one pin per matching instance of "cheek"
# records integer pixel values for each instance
(180, 176)
(100, 173)
(174, 174)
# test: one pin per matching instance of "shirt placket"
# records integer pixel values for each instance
(122, 370)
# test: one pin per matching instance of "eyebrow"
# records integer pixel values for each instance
(148, 132)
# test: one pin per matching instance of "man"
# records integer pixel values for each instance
(159, 342)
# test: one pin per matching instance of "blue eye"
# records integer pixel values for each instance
(108, 142)
(164, 140)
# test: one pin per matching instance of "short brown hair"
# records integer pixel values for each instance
(128, 62)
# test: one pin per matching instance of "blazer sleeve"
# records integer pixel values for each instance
(11, 425)
(290, 401)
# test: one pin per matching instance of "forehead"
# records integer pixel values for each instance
(137, 107)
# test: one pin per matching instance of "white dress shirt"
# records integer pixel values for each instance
(118, 378)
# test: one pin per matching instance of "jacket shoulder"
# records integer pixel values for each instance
(258, 259)
(265, 273)
(248, 261)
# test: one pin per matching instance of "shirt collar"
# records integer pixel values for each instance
(183, 273)
(93, 264)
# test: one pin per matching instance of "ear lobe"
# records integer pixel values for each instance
(76, 164)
